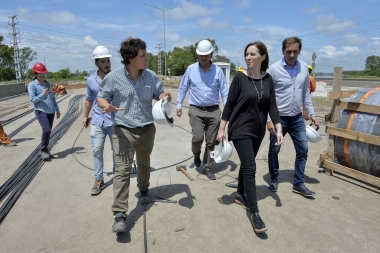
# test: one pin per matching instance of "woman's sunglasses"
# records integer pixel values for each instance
(42, 75)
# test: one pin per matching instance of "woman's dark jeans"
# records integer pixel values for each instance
(247, 150)
(46, 122)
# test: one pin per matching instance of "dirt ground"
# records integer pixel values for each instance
(56, 212)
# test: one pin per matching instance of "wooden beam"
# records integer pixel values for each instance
(353, 135)
(352, 173)
(337, 85)
(341, 94)
(353, 106)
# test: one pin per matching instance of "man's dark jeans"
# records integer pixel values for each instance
(295, 126)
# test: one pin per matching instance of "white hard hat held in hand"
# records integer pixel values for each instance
(312, 134)
(222, 152)
(162, 112)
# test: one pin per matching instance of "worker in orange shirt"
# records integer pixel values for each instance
(4, 138)
(313, 85)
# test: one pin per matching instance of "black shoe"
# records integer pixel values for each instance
(302, 189)
(197, 160)
(119, 225)
(241, 200)
(209, 174)
(144, 198)
(273, 187)
(257, 223)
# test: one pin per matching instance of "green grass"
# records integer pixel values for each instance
(324, 102)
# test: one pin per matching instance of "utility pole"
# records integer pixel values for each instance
(16, 51)
(159, 59)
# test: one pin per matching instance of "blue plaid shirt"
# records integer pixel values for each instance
(98, 119)
(47, 103)
(119, 89)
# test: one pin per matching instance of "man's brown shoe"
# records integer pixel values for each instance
(11, 144)
(241, 200)
(98, 187)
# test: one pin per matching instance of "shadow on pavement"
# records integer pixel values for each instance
(135, 214)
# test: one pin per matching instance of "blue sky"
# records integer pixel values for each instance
(64, 32)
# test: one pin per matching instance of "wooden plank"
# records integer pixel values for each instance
(353, 106)
(340, 94)
(337, 85)
(353, 135)
(352, 173)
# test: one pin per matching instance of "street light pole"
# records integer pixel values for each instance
(163, 16)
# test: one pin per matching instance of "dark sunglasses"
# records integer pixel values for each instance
(42, 75)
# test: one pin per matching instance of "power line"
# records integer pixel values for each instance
(16, 52)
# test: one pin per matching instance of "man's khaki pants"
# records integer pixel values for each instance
(127, 141)
(205, 125)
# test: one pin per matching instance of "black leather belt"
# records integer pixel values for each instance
(133, 127)
(205, 107)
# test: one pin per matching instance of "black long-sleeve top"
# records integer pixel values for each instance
(246, 115)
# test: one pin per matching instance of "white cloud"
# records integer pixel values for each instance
(105, 26)
(331, 24)
(217, 2)
(376, 40)
(313, 9)
(331, 51)
(247, 20)
(90, 41)
(275, 30)
(242, 4)
(172, 36)
(189, 10)
(209, 23)
(269, 35)
(354, 39)
(349, 49)
(53, 17)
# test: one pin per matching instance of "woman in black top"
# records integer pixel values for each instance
(250, 99)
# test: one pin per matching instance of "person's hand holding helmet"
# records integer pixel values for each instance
(166, 94)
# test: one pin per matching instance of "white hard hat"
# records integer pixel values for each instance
(312, 134)
(101, 52)
(222, 152)
(162, 112)
(204, 48)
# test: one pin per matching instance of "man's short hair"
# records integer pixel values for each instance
(291, 40)
(129, 48)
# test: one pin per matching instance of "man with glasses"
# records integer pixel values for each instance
(292, 88)
(101, 124)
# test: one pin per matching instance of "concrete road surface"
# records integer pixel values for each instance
(56, 212)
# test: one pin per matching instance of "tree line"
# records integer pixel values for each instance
(371, 69)
(179, 59)
(7, 66)
(177, 62)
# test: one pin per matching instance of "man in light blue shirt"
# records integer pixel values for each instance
(205, 81)
(101, 124)
(292, 88)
